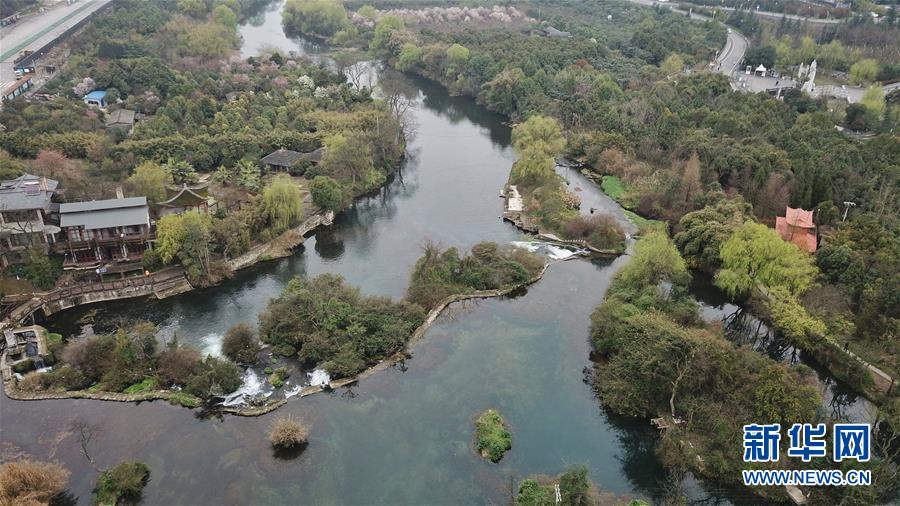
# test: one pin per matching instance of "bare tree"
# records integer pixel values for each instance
(86, 433)
(400, 107)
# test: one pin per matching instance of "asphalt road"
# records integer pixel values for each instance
(779, 15)
(34, 31)
(730, 56)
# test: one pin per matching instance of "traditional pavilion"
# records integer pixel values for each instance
(797, 227)
(184, 198)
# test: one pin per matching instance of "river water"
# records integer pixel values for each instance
(404, 435)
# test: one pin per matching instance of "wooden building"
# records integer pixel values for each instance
(27, 216)
(102, 231)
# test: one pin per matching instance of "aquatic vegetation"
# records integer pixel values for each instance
(144, 386)
(121, 484)
(491, 437)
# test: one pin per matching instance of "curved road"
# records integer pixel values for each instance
(728, 59)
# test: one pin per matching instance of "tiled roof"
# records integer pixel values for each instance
(26, 192)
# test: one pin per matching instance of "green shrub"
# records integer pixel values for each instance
(327, 193)
(144, 386)
(121, 484)
(277, 378)
(240, 344)
(24, 366)
(532, 493)
(285, 350)
(215, 378)
(183, 399)
(334, 325)
(439, 274)
(151, 261)
(491, 437)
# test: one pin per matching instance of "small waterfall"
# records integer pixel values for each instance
(212, 344)
(318, 377)
(550, 251)
(291, 390)
(252, 387)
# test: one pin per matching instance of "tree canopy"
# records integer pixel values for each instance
(755, 257)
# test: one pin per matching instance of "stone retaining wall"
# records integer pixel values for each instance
(282, 245)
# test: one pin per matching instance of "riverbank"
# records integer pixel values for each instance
(861, 376)
(190, 401)
(162, 284)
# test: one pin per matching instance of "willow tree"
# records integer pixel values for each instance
(755, 257)
(537, 142)
(282, 203)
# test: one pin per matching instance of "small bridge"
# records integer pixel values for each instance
(19, 308)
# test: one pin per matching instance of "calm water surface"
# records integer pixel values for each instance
(403, 436)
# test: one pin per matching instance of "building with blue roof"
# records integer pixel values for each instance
(96, 98)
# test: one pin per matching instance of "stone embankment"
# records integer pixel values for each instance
(282, 245)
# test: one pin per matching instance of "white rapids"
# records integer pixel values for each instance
(550, 251)
(252, 387)
(318, 377)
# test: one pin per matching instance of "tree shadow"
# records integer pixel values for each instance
(291, 453)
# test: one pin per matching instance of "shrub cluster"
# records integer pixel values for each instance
(332, 325)
(488, 266)
(121, 484)
(129, 361)
(491, 437)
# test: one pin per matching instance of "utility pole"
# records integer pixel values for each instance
(847, 206)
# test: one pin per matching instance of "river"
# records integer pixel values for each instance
(404, 435)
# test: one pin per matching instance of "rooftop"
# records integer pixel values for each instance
(798, 228)
(105, 213)
(282, 158)
(96, 95)
(120, 117)
(13, 85)
(26, 192)
(553, 32)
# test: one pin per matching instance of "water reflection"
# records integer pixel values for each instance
(743, 329)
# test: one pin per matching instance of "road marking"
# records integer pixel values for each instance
(29, 40)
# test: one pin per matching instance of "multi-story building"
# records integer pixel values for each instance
(100, 232)
(27, 216)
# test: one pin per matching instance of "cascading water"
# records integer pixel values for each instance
(551, 251)
(318, 377)
(253, 386)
